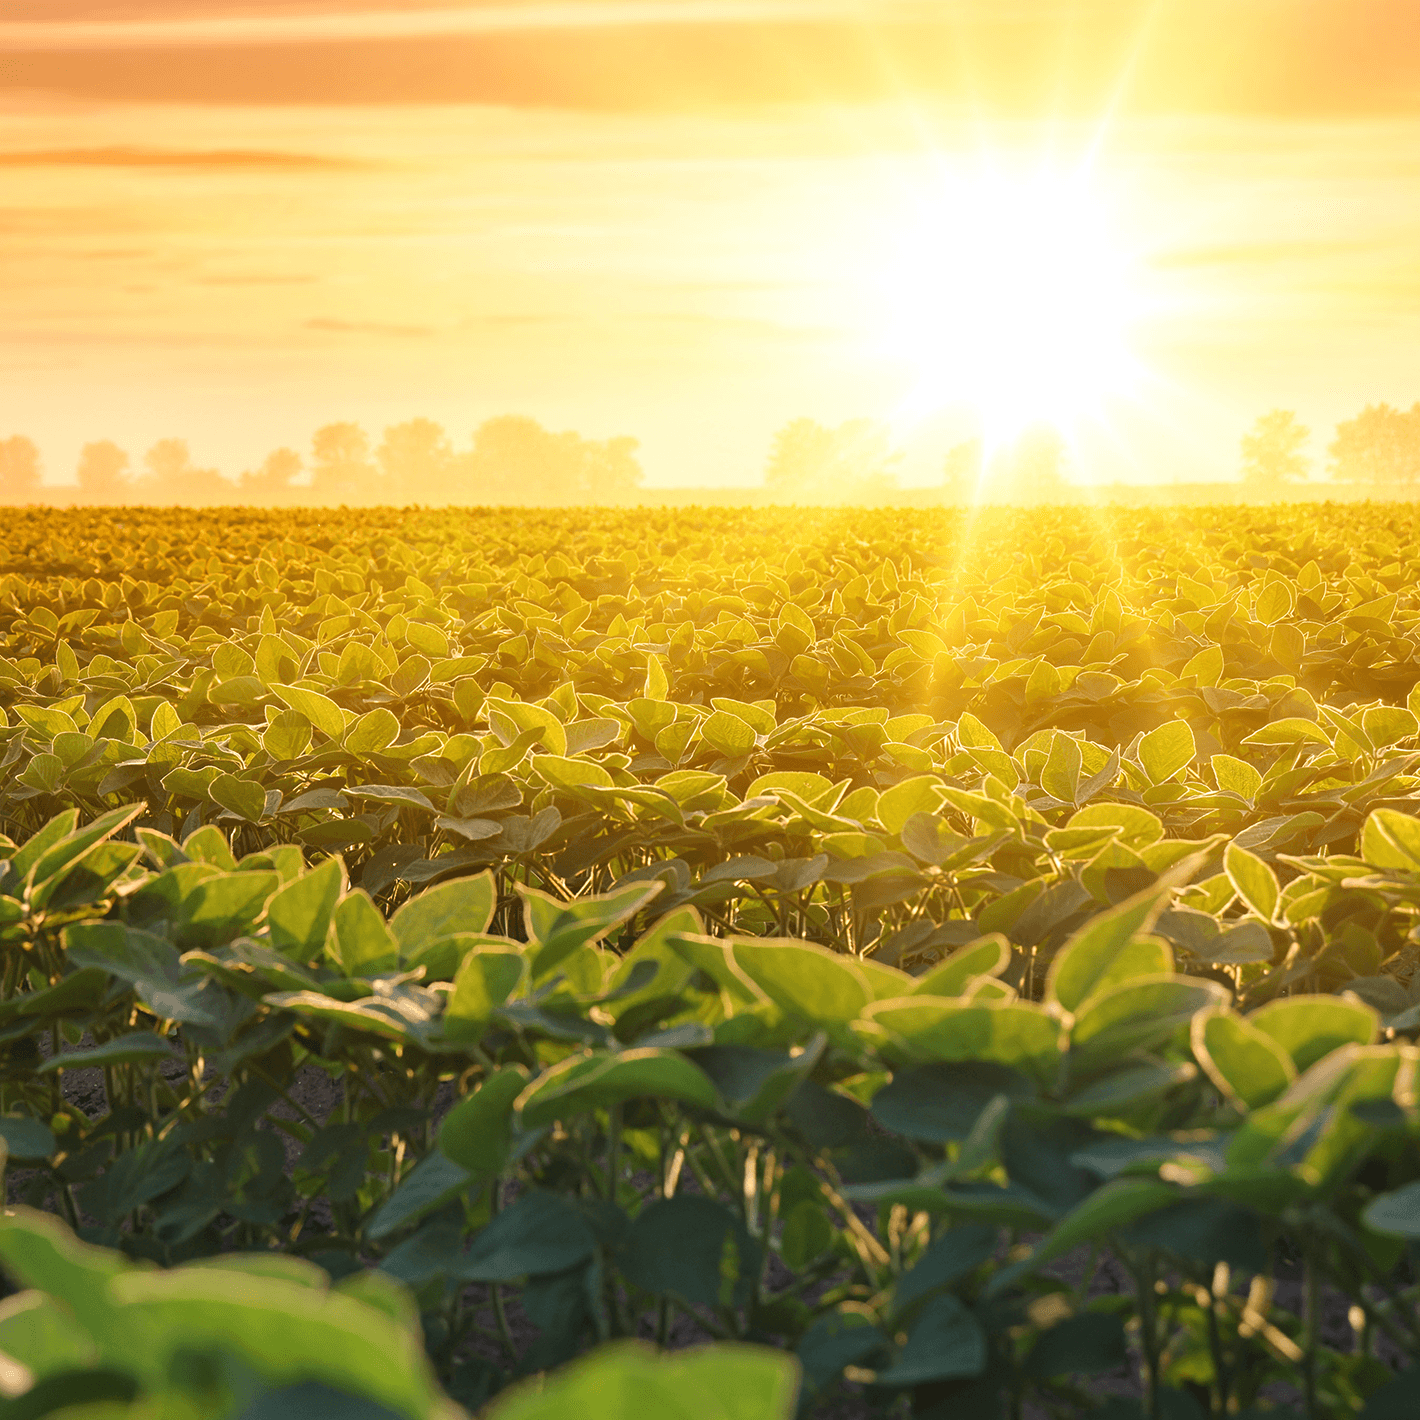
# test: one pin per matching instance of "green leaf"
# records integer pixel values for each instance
(585, 1082)
(1391, 839)
(1252, 880)
(755, 1083)
(359, 942)
(477, 1133)
(1247, 1064)
(539, 1234)
(1289, 731)
(60, 827)
(1165, 752)
(288, 736)
(1236, 776)
(1060, 775)
(372, 732)
(402, 796)
(223, 907)
(564, 772)
(512, 718)
(728, 734)
(299, 915)
(727, 1381)
(809, 787)
(433, 1182)
(71, 847)
(1310, 1027)
(1274, 601)
(956, 1254)
(988, 956)
(1137, 827)
(837, 1339)
(1139, 1015)
(319, 710)
(1397, 1214)
(40, 1254)
(1388, 724)
(945, 1343)
(244, 797)
(945, 1102)
(463, 905)
(693, 1249)
(1090, 955)
(555, 929)
(1397, 1399)
(486, 978)
(1089, 1344)
(26, 1138)
(919, 795)
(128, 1049)
(209, 845)
(1106, 1210)
(279, 1328)
(923, 1029)
(804, 979)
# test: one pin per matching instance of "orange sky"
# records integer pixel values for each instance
(672, 218)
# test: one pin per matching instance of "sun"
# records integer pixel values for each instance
(1007, 293)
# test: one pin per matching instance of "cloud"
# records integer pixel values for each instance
(184, 26)
(137, 157)
(1327, 58)
(366, 327)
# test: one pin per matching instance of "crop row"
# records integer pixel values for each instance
(706, 940)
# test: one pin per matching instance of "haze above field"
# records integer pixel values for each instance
(235, 220)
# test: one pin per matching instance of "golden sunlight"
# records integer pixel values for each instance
(1007, 293)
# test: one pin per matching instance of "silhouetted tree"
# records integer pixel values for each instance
(1272, 450)
(19, 469)
(415, 459)
(103, 472)
(341, 470)
(853, 462)
(1380, 445)
(961, 471)
(1034, 470)
(272, 482)
(515, 460)
(173, 477)
(610, 469)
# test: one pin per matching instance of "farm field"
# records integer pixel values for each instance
(800, 929)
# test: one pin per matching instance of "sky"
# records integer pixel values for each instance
(1143, 221)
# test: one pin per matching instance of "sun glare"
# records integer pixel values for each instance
(1010, 295)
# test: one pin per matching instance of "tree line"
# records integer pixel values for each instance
(512, 459)
(1379, 447)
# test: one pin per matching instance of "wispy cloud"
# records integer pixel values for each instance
(1043, 58)
(354, 23)
(134, 157)
(367, 327)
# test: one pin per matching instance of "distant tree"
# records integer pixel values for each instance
(1036, 466)
(169, 460)
(172, 477)
(1272, 450)
(272, 482)
(852, 462)
(961, 471)
(103, 472)
(19, 469)
(340, 463)
(515, 460)
(416, 459)
(610, 469)
(1380, 445)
